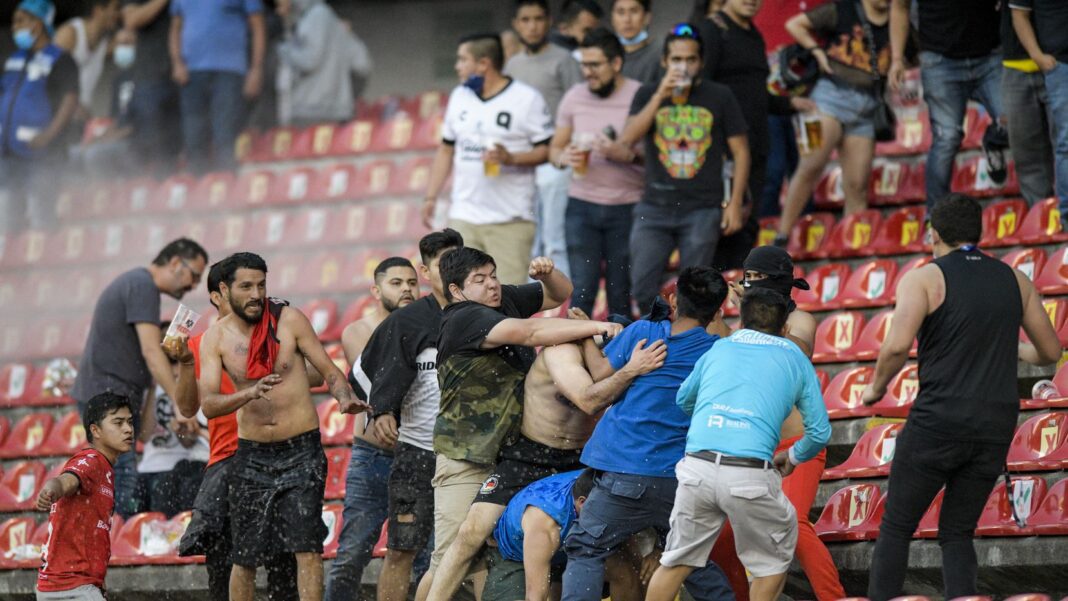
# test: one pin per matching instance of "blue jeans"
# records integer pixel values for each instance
(213, 113)
(156, 140)
(1027, 111)
(366, 508)
(657, 232)
(1057, 90)
(550, 241)
(782, 162)
(619, 506)
(948, 84)
(598, 234)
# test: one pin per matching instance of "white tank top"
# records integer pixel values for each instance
(90, 61)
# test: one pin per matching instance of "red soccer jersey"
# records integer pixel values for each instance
(79, 527)
(222, 430)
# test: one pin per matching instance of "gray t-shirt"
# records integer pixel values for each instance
(643, 65)
(552, 72)
(112, 360)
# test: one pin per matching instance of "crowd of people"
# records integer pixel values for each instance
(633, 454)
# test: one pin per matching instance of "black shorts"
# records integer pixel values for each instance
(521, 463)
(411, 498)
(210, 523)
(276, 496)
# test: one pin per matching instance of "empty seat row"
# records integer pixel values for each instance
(914, 131)
(21, 384)
(41, 435)
(855, 512)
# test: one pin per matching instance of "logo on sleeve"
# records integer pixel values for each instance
(489, 485)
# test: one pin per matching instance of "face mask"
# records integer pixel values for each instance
(638, 39)
(475, 83)
(778, 284)
(24, 39)
(125, 56)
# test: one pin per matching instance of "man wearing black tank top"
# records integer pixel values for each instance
(966, 308)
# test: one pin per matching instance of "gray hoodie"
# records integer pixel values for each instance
(316, 64)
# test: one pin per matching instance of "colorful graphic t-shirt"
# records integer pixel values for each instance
(846, 45)
(684, 149)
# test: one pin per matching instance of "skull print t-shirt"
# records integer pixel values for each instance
(685, 148)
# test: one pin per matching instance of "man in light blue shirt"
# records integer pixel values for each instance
(739, 394)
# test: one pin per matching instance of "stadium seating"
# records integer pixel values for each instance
(20, 484)
(836, 335)
(928, 526)
(769, 228)
(997, 520)
(900, 394)
(337, 462)
(14, 383)
(887, 185)
(66, 437)
(852, 236)
(1028, 260)
(808, 236)
(901, 232)
(826, 284)
(1001, 222)
(869, 285)
(147, 539)
(1053, 277)
(1052, 516)
(853, 513)
(1042, 224)
(333, 520)
(1035, 440)
(27, 436)
(871, 337)
(322, 313)
(17, 543)
(913, 135)
(842, 395)
(871, 456)
(335, 427)
(1060, 380)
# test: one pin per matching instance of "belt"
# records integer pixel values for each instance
(721, 459)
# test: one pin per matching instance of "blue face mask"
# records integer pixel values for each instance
(24, 39)
(638, 39)
(475, 83)
(125, 56)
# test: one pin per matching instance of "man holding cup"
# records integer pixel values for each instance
(607, 175)
(688, 124)
(496, 131)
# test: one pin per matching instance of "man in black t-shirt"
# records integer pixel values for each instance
(688, 124)
(1047, 44)
(961, 60)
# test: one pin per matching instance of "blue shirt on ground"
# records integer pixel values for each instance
(551, 495)
(644, 432)
(215, 33)
(743, 389)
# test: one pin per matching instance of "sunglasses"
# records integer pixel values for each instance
(684, 30)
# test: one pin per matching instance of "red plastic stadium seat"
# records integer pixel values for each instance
(824, 379)
(374, 178)
(1060, 380)
(828, 194)
(20, 485)
(314, 142)
(872, 336)
(173, 195)
(1028, 260)
(853, 235)
(1001, 222)
(427, 134)
(1035, 439)
(393, 135)
(27, 436)
(975, 124)
(332, 518)
(277, 145)
(353, 138)
(809, 234)
(1042, 225)
(842, 396)
(870, 457)
(900, 394)
(14, 383)
(285, 271)
(970, 177)
(826, 283)
(255, 189)
(294, 186)
(836, 335)
(1029, 597)
(46, 388)
(66, 438)
(334, 183)
(16, 544)
(335, 427)
(5, 429)
(147, 539)
(322, 313)
(383, 540)
(213, 191)
(853, 513)
(1052, 516)
(869, 285)
(928, 527)
(337, 461)
(411, 177)
(901, 232)
(268, 230)
(1053, 277)
(887, 182)
(395, 221)
(913, 135)
(769, 228)
(996, 519)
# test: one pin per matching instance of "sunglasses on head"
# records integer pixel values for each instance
(684, 30)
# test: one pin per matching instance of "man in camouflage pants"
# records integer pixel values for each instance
(485, 349)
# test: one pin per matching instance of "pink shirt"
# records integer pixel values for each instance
(606, 182)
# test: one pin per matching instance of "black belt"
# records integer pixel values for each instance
(721, 459)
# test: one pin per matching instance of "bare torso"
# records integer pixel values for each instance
(289, 410)
(354, 339)
(548, 417)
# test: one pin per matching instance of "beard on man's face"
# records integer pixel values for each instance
(250, 312)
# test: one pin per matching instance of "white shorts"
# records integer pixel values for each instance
(85, 592)
(764, 521)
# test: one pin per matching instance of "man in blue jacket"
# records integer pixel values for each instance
(739, 394)
(38, 97)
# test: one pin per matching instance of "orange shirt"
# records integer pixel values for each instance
(222, 430)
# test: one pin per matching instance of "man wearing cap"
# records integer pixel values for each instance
(38, 97)
(771, 268)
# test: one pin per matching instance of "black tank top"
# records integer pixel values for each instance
(968, 352)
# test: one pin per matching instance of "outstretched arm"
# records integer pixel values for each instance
(313, 351)
(566, 368)
(64, 485)
(545, 331)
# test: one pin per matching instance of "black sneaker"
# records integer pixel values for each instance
(994, 151)
(780, 241)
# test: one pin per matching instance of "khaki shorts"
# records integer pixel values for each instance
(508, 243)
(764, 521)
(455, 485)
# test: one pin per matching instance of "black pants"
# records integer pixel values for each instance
(281, 573)
(923, 463)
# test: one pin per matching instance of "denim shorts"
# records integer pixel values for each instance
(852, 107)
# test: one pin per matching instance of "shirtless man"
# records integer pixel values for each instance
(396, 285)
(771, 267)
(280, 469)
(561, 404)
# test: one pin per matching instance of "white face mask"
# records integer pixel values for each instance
(125, 55)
